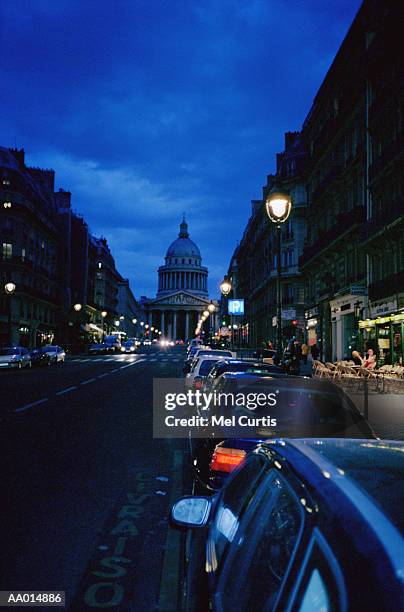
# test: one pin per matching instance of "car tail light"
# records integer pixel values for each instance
(198, 383)
(226, 459)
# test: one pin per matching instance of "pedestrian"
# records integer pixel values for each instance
(305, 352)
(314, 352)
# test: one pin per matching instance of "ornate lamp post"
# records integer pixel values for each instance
(103, 315)
(9, 288)
(77, 307)
(211, 310)
(278, 207)
(225, 289)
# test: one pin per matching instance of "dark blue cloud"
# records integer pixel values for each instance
(147, 108)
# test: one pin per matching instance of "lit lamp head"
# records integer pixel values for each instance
(211, 308)
(104, 314)
(77, 307)
(278, 206)
(121, 318)
(206, 313)
(141, 323)
(9, 288)
(225, 286)
(134, 321)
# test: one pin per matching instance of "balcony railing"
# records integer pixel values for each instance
(382, 219)
(345, 222)
(389, 152)
(387, 286)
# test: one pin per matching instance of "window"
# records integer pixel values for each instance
(7, 250)
(234, 499)
(320, 585)
(23, 254)
(265, 545)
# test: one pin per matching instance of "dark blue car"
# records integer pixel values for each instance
(302, 525)
(306, 408)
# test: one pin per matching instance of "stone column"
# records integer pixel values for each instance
(186, 325)
(174, 325)
(162, 328)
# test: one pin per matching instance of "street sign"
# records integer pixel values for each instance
(289, 314)
(236, 307)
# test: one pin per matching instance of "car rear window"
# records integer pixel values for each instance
(206, 366)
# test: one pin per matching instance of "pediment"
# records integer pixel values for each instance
(180, 298)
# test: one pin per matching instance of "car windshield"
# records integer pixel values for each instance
(9, 351)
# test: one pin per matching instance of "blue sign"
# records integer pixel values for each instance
(236, 307)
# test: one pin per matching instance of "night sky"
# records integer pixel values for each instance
(149, 108)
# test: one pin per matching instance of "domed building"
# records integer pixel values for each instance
(182, 292)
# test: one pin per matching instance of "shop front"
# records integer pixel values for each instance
(385, 335)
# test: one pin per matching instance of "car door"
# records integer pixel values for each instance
(261, 553)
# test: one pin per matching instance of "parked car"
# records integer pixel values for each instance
(200, 368)
(305, 407)
(39, 357)
(302, 525)
(240, 365)
(15, 357)
(56, 353)
(206, 350)
(147, 342)
(97, 348)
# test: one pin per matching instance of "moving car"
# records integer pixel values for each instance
(129, 346)
(39, 357)
(97, 348)
(305, 407)
(302, 525)
(15, 357)
(56, 353)
(113, 343)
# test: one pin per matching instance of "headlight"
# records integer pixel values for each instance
(122, 349)
(132, 348)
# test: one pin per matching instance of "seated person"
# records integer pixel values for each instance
(370, 361)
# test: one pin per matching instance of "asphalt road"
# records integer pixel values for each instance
(85, 489)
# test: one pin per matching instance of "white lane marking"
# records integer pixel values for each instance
(67, 390)
(131, 364)
(31, 405)
(88, 381)
(114, 370)
(102, 375)
(84, 360)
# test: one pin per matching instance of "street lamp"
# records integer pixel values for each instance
(77, 307)
(211, 308)
(278, 206)
(225, 286)
(103, 314)
(9, 288)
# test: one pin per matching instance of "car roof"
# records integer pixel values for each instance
(302, 382)
(358, 473)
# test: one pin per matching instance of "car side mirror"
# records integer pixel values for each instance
(191, 511)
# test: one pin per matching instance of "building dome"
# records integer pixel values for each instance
(183, 268)
(183, 246)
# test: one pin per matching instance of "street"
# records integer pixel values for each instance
(86, 490)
